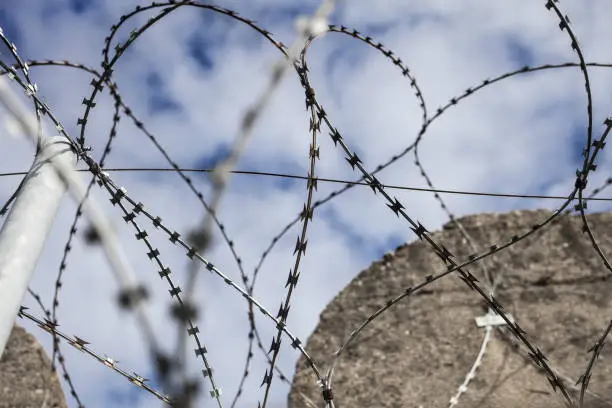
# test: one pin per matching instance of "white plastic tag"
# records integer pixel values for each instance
(492, 319)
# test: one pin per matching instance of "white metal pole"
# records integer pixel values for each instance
(27, 227)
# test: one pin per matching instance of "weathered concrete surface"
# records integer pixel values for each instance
(419, 352)
(26, 380)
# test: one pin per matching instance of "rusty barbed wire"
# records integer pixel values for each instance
(184, 390)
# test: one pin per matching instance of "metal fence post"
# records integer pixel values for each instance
(27, 227)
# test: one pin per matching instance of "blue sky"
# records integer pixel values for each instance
(190, 78)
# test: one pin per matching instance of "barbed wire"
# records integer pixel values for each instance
(172, 369)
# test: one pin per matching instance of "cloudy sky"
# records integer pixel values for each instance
(190, 79)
